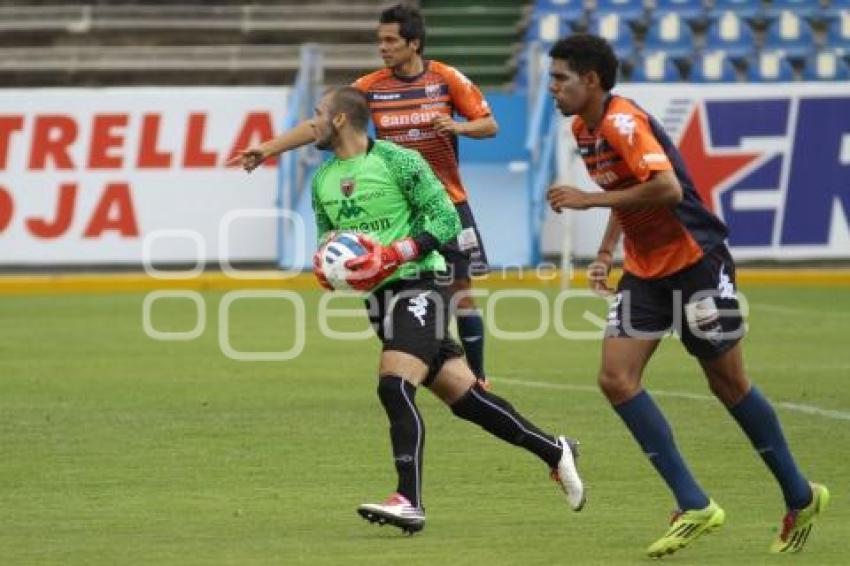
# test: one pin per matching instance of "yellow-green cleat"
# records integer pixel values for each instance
(797, 524)
(686, 527)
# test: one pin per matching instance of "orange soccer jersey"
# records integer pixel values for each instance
(624, 150)
(404, 107)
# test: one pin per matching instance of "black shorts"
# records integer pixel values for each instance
(699, 303)
(412, 316)
(465, 255)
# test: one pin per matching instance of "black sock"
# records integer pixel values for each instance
(499, 418)
(407, 434)
(470, 328)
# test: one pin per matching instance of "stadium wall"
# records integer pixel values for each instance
(86, 175)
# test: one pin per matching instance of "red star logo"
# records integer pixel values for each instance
(709, 171)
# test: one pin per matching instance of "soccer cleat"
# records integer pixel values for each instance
(396, 511)
(797, 524)
(567, 476)
(686, 527)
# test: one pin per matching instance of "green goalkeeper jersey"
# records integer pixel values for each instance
(390, 193)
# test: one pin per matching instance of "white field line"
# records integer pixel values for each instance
(797, 407)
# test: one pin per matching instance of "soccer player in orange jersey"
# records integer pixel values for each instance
(679, 275)
(413, 102)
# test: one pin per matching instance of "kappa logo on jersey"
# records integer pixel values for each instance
(418, 307)
(625, 124)
(725, 285)
(346, 186)
(775, 170)
(348, 210)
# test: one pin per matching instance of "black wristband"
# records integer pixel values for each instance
(427, 243)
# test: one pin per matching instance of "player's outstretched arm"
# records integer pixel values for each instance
(251, 157)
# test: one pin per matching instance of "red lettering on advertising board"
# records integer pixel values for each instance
(52, 135)
(44, 228)
(195, 155)
(149, 156)
(8, 125)
(113, 212)
(107, 134)
(256, 128)
(6, 208)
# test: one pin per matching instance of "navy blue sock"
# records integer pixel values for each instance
(649, 427)
(758, 420)
(470, 327)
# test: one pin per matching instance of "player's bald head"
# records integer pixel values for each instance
(351, 102)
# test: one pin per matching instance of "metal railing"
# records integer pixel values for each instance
(295, 167)
(540, 147)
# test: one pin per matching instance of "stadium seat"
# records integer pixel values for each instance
(671, 33)
(713, 66)
(837, 5)
(567, 9)
(770, 66)
(826, 65)
(629, 10)
(692, 11)
(546, 28)
(802, 8)
(838, 30)
(790, 33)
(655, 67)
(747, 9)
(615, 29)
(732, 34)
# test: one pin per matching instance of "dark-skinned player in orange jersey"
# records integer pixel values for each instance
(678, 274)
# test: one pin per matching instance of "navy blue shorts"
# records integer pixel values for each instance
(699, 303)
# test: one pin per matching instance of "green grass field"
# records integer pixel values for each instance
(119, 449)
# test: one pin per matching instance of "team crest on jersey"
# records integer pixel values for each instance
(347, 186)
(432, 91)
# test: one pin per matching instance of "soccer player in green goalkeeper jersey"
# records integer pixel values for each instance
(391, 193)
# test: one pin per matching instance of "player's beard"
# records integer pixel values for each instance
(327, 141)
